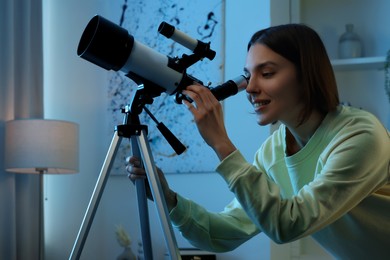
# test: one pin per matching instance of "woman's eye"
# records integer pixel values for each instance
(267, 74)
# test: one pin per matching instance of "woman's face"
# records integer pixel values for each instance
(273, 87)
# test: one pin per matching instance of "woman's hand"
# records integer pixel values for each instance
(208, 116)
(136, 172)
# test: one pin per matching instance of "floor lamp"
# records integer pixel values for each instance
(41, 146)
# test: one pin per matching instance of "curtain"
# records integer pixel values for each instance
(21, 96)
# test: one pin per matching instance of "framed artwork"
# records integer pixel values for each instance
(201, 20)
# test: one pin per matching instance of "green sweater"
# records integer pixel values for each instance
(336, 189)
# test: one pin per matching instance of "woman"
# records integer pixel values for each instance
(323, 173)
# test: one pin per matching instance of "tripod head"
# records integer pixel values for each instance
(131, 122)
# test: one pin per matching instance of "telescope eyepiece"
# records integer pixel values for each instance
(166, 29)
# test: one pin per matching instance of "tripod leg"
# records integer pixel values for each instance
(140, 185)
(158, 195)
(95, 199)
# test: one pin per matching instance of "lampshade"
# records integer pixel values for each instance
(41, 145)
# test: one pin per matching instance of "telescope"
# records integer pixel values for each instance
(111, 47)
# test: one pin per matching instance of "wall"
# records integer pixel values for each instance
(74, 91)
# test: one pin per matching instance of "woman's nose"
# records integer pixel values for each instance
(251, 87)
(250, 90)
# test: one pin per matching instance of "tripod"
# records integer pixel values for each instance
(132, 128)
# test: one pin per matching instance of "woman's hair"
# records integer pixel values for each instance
(302, 46)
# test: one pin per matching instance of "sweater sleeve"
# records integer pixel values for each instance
(354, 165)
(216, 232)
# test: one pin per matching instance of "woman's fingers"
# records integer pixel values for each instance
(134, 161)
(201, 95)
(134, 169)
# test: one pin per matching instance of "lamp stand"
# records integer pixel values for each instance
(141, 148)
(41, 238)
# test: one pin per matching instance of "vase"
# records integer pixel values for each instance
(350, 45)
(127, 254)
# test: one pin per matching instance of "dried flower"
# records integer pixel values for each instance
(387, 74)
(122, 236)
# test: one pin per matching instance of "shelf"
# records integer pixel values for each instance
(365, 63)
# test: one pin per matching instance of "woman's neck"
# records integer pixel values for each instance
(298, 136)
